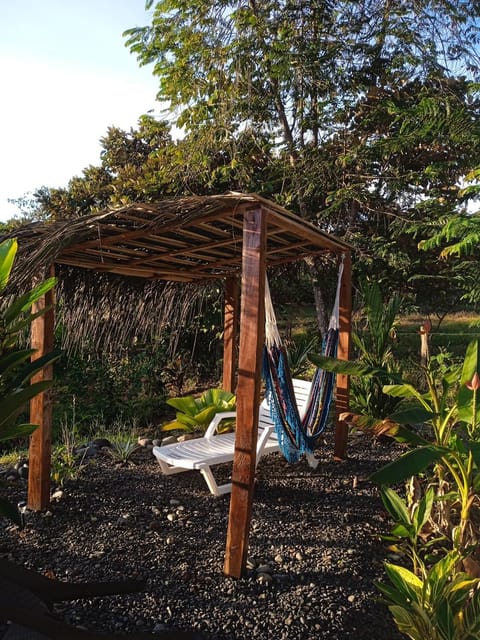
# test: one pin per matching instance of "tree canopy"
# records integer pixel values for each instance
(363, 116)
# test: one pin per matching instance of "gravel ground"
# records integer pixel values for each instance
(317, 530)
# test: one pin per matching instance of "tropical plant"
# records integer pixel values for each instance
(195, 414)
(448, 447)
(298, 348)
(16, 369)
(122, 448)
(441, 604)
(410, 519)
(65, 463)
(373, 340)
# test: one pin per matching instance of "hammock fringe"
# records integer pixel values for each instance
(297, 435)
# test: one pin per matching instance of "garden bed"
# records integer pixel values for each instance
(316, 533)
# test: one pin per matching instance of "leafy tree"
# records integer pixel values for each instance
(361, 101)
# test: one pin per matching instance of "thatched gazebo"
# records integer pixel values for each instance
(232, 237)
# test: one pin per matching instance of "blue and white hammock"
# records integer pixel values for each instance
(297, 434)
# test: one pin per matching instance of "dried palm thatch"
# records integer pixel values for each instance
(124, 274)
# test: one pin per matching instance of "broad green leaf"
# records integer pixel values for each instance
(403, 434)
(172, 426)
(12, 431)
(8, 251)
(23, 303)
(14, 359)
(404, 391)
(465, 396)
(33, 367)
(413, 415)
(206, 416)
(25, 320)
(186, 404)
(393, 594)
(444, 619)
(441, 573)
(471, 363)
(474, 447)
(424, 509)
(408, 464)
(401, 531)
(12, 404)
(405, 581)
(10, 511)
(346, 367)
(395, 506)
(189, 421)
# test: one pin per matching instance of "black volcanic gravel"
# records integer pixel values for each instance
(317, 530)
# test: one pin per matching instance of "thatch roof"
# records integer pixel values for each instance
(114, 265)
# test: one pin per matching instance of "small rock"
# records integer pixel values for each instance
(278, 559)
(144, 442)
(56, 495)
(156, 511)
(101, 442)
(351, 598)
(298, 556)
(264, 578)
(184, 437)
(174, 502)
(171, 516)
(264, 568)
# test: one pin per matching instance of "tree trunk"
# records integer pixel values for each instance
(320, 307)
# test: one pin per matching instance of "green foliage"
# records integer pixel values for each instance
(409, 521)
(65, 464)
(375, 364)
(195, 414)
(363, 117)
(122, 449)
(127, 383)
(441, 605)
(16, 369)
(298, 349)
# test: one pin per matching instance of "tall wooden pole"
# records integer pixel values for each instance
(252, 329)
(42, 334)
(343, 353)
(230, 324)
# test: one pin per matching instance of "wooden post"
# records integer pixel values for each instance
(230, 324)
(343, 353)
(42, 333)
(252, 330)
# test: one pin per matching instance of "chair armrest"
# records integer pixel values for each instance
(213, 426)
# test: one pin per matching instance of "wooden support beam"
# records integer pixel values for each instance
(252, 330)
(343, 353)
(230, 324)
(42, 334)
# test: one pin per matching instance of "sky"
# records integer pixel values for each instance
(65, 77)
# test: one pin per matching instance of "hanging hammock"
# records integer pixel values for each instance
(297, 435)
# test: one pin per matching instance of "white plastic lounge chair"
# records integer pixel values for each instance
(211, 449)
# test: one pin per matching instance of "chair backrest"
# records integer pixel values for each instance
(302, 392)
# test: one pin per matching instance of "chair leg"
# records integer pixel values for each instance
(215, 489)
